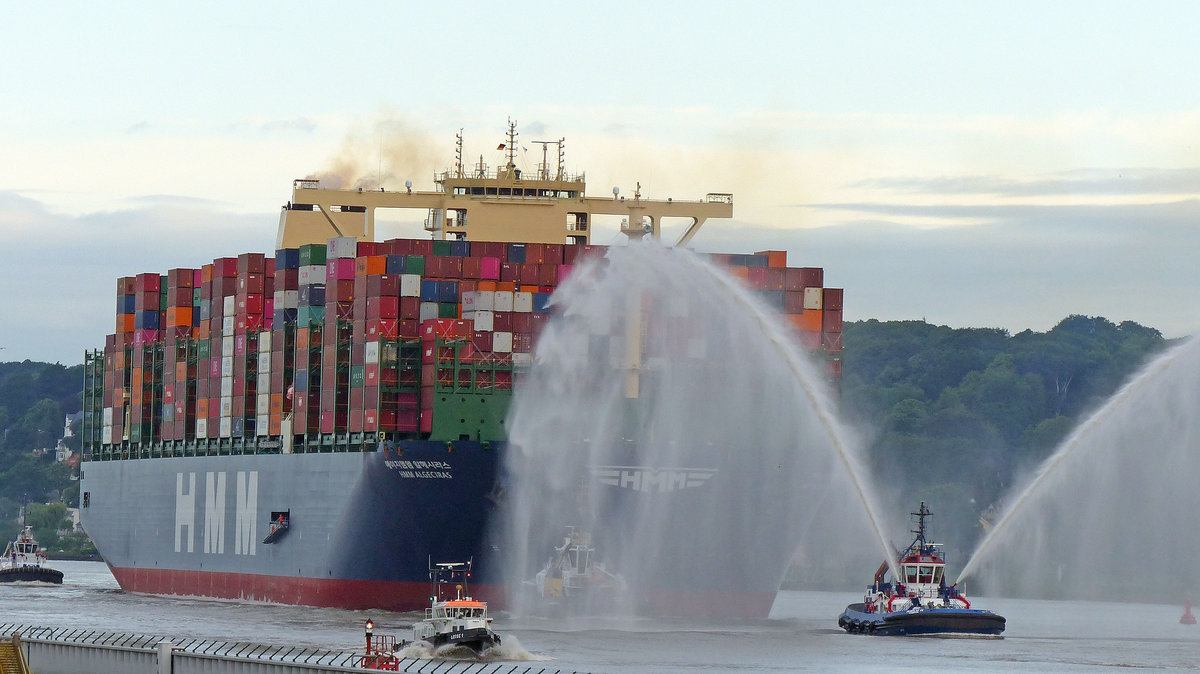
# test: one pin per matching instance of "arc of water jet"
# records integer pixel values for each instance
(825, 415)
(1067, 448)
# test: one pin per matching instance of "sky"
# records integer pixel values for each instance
(986, 164)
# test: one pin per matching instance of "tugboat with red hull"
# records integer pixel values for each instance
(921, 602)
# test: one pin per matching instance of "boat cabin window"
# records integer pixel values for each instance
(937, 573)
(910, 573)
(926, 574)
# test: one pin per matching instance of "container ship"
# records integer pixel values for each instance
(315, 426)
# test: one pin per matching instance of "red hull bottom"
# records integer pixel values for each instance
(400, 596)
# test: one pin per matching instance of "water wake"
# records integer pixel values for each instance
(671, 416)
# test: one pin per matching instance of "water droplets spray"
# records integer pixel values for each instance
(673, 418)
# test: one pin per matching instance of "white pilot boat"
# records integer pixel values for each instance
(455, 618)
(23, 561)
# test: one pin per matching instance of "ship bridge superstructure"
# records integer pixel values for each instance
(481, 203)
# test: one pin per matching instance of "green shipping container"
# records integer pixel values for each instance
(447, 309)
(356, 375)
(441, 248)
(312, 253)
(306, 316)
(414, 264)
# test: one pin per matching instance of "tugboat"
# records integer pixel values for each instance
(460, 620)
(921, 603)
(23, 561)
(574, 578)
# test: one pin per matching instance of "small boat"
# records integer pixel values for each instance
(1188, 618)
(921, 603)
(455, 618)
(574, 578)
(23, 561)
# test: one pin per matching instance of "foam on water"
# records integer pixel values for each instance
(730, 418)
(1112, 513)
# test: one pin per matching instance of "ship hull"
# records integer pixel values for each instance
(31, 574)
(914, 622)
(362, 530)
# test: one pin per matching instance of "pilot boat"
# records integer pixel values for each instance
(455, 618)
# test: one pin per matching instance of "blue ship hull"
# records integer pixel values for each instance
(917, 621)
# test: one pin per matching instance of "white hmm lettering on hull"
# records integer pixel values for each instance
(245, 508)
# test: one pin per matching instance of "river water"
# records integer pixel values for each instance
(800, 635)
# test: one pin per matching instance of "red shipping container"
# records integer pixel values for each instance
(224, 267)
(381, 328)
(370, 422)
(521, 322)
(356, 398)
(368, 248)
(832, 341)
(371, 374)
(472, 267)
(410, 308)
(383, 307)
(383, 285)
(126, 285)
(553, 254)
(339, 268)
(481, 341)
(832, 320)
(147, 283)
(502, 321)
(510, 272)
(793, 302)
(832, 299)
(251, 263)
(252, 283)
(421, 247)
(810, 341)
(535, 253)
(408, 329)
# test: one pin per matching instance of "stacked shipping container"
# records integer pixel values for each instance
(338, 345)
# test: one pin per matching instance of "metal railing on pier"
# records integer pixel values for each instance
(50, 650)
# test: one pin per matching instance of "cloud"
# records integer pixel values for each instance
(60, 292)
(1120, 181)
(301, 125)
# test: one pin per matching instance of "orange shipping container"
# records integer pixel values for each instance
(806, 321)
(179, 317)
(124, 323)
(775, 258)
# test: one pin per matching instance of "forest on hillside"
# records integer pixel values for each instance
(957, 416)
(35, 399)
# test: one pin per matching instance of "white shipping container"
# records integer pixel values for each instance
(106, 435)
(227, 325)
(312, 275)
(484, 320)
(502, 342)
(226, 427)
(278, 298)
(226, 407)
(468, 301)
(107, 416)
(371, 353)
(264, 342)
(202, 427)
(291, 300)
(227, 346)
(264, 403)
(522, 359)
(263, 425)
(410, 285)
(485, 300)
(227, 366)
(228, 306)
(503, 300)
(264, 363)
(523, 302)
(264, 382)
(226, 386)
(341, 247)
(812, 298)
(429, 310)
